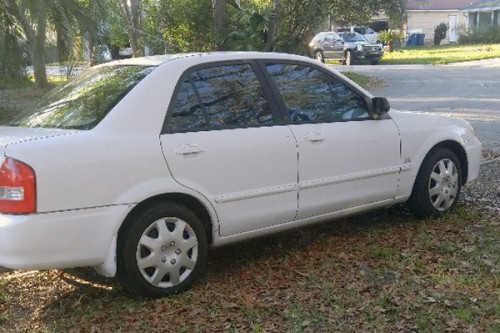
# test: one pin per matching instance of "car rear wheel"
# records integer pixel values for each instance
(318, 55)
(438, 184)
(162, 251)
(348, 58)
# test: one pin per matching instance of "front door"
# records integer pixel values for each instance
(328, 45)
(453, 28)
(221, 139)
(346, 158)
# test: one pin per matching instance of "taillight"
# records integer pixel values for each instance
(17, 187)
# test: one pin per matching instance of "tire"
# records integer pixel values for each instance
(318, 55)
(162, 251)
(438, 185)
(348, 58)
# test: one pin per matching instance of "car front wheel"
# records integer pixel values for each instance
(438, 184)
(348, 58)
(162, 251)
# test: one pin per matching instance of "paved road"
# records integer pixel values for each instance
(468, 90)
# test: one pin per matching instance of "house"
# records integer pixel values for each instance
(425, 15)
(484, 12)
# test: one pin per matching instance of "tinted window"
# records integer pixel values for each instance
(224, 96)
(314, 96)
(186, 112)
(85, 100)
(353, 37)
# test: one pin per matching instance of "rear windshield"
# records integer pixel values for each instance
(85, 100)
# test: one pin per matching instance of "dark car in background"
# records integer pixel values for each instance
(346, 47)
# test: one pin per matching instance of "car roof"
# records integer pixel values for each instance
(158, 60)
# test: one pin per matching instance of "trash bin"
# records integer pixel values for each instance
(420, 39)
(416, 39)
(412, 40)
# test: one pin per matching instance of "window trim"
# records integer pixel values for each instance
(278, 119)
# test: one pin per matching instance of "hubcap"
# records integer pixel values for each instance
(167, 252)
(443, 185)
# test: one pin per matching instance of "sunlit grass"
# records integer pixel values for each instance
(52, 79)
(442, 54)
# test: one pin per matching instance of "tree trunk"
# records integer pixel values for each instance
(220, 21)
(273, 27)
(220, 14)
(36, 38)
(38, 51)
(132, 12)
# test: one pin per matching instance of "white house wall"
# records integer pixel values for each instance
(426, 22)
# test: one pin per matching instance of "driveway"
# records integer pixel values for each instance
(469, 90)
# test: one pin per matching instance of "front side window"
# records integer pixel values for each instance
(223, 96)
(311, 95)
(85, 100)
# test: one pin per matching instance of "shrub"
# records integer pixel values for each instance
(391, 37)
(486, 34)
(440, 33)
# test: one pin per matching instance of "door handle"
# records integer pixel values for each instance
(314, 137)
(187, 149)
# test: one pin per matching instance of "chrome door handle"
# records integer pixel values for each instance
(315, 137)
(187, 149)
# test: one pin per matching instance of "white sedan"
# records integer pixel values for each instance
(138, 167)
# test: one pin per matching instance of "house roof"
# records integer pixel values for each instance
(483, 5)
(440, 4)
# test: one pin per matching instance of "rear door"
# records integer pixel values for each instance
(346, 159)
(223, 138)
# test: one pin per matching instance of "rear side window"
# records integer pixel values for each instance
(223, 96)
(312, 96)
(85, 100)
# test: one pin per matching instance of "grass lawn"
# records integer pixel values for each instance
(379, 272)
(443, 54)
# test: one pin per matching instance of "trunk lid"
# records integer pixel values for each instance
(14, 135)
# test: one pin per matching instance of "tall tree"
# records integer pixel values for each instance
(220, 14)
(35, 17)
(299, 20)
(32, 17)
(273, 27)
(132, 14)
(12, 58)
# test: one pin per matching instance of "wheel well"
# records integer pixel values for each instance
(180, 198)
(459, 151)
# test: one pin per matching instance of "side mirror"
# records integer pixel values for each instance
(379, 107)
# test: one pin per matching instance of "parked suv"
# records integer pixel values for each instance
(344, 46)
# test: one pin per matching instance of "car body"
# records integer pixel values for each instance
(125, 52)
(137, 167)
(101, 54)
(346, 47)
(370, 35)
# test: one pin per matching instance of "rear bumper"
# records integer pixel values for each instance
(58, 240)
